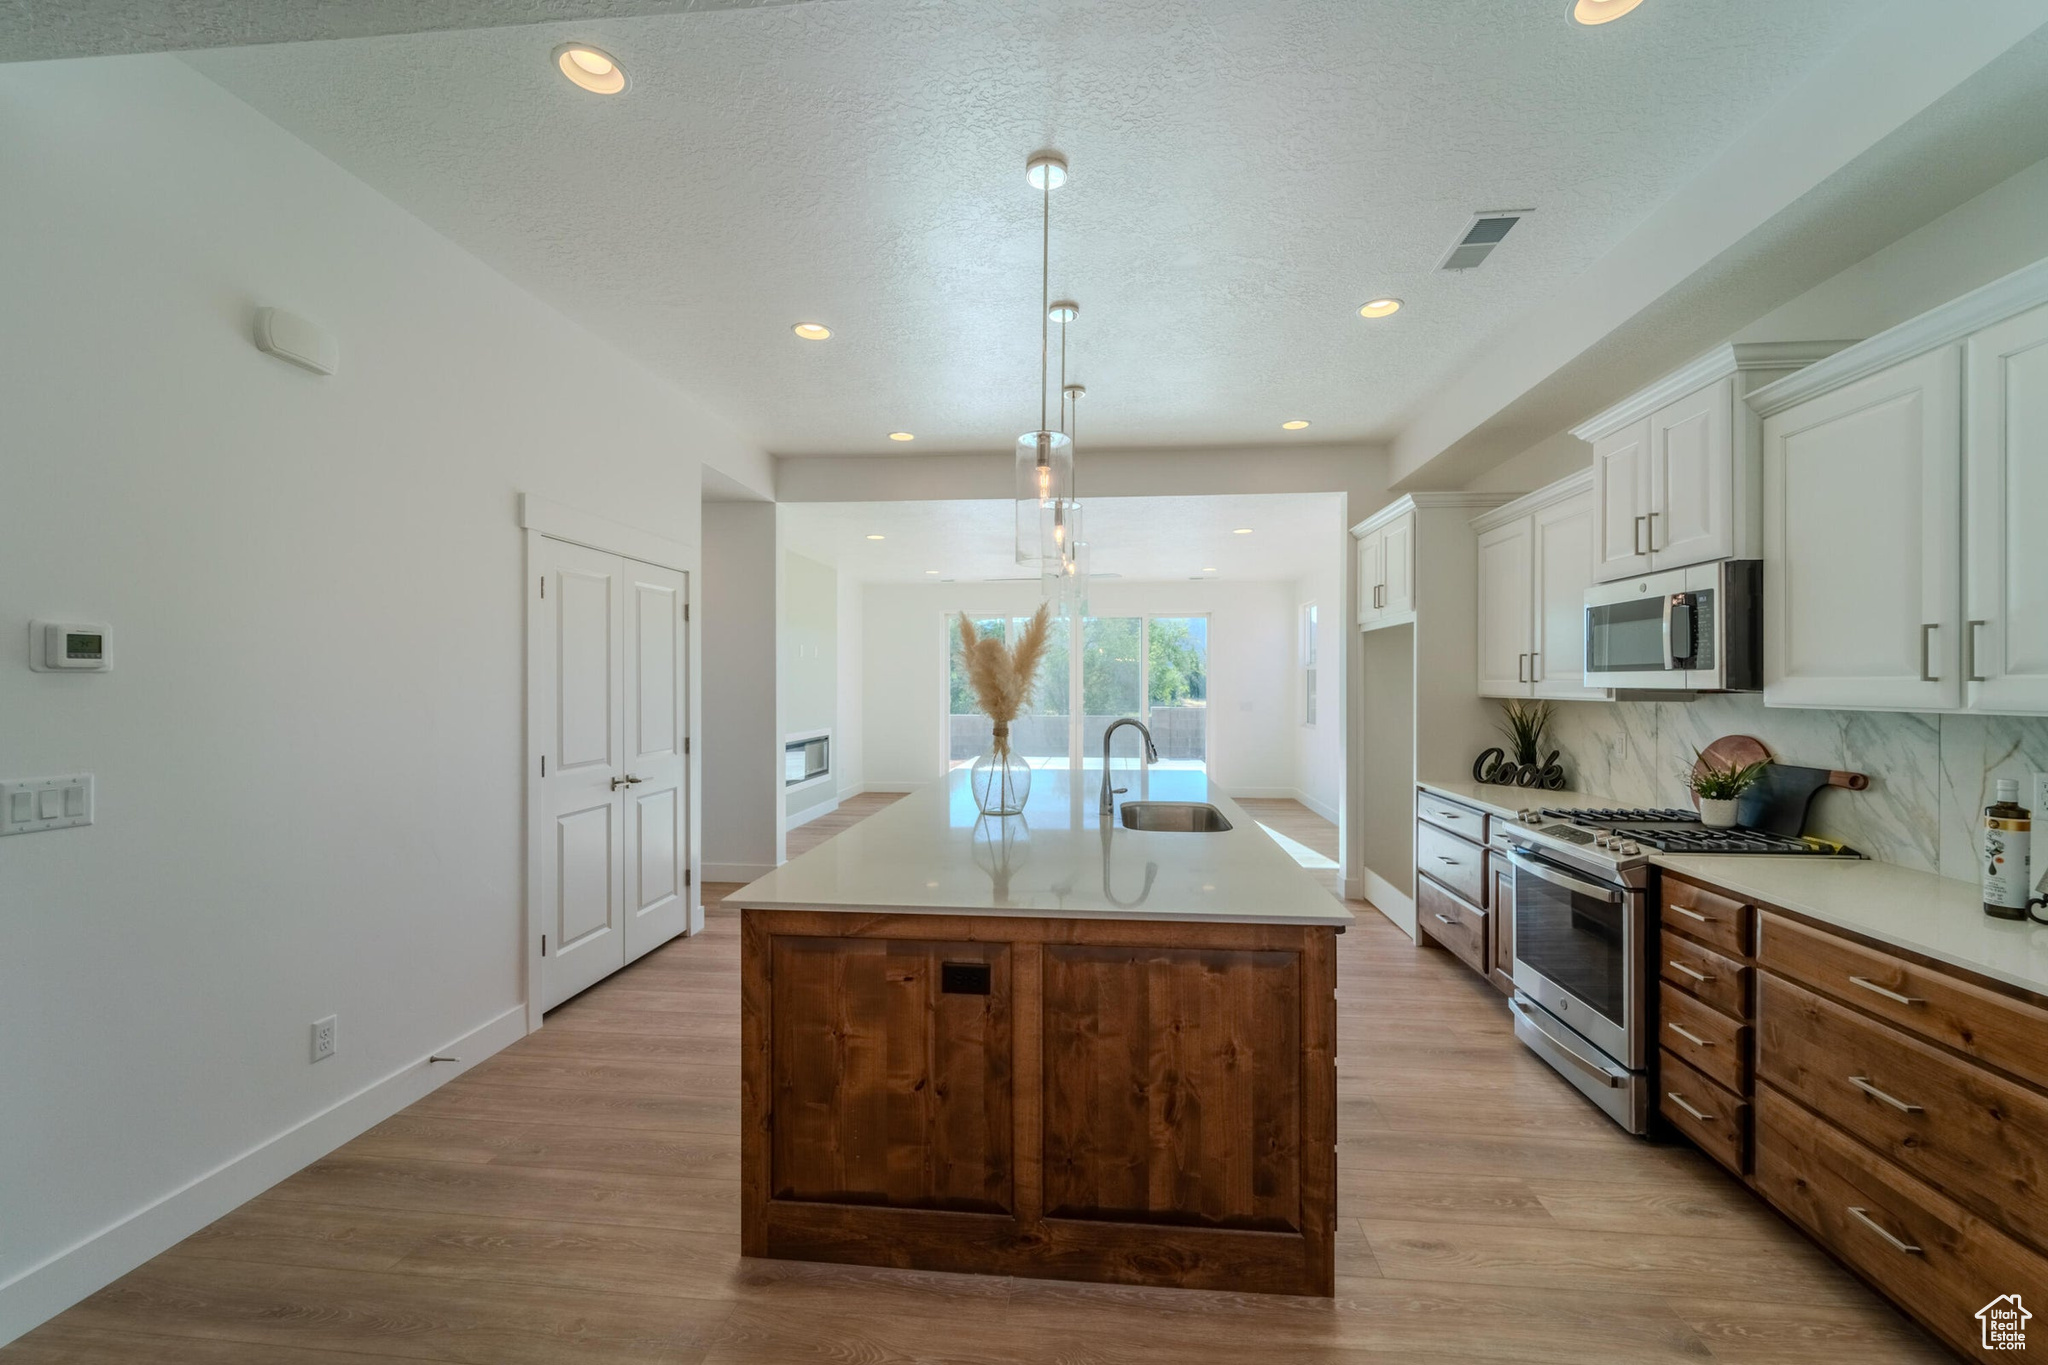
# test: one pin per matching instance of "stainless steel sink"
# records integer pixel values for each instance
(1177, 817)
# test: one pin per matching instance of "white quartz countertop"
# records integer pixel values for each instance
(1938, 917)
(933, 853)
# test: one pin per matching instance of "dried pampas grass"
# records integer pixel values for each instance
(1002, 677)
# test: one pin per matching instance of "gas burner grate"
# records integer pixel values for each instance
(1623, 816)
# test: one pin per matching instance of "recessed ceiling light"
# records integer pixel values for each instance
(1211, 569)
(589, 69)
(933, 572)
(1242, 531)
(1296, 425)
(1591, 12)
(901, 436)
(1379, 308)
(874, 537)
(812, 331)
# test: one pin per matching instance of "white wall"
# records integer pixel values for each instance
(1251, 671)
(310, 748)
(742, 748)
(850, 725)
(808, 674)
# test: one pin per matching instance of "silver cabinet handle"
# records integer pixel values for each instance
(1863, 1083)
(1534, 655)
(1867, 984)
(1970, 673)
(1896, 1245)
(1688, 1035)
(1445, 919)
(1697, 976)
(1689, 914)
(1521, 667)
(1926, 656)
(1442, 859)
(1679, 1100)
(1651, 523)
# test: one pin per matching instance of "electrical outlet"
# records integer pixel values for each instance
(323, 1037)
(2039, 805)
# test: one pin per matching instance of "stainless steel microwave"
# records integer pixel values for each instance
(1683, 630)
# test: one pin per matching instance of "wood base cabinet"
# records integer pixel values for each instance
(1144, 1103)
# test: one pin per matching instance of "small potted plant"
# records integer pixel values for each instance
(1720, 788)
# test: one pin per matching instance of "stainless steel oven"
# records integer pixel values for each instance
(1692, 630)
(1581, 930)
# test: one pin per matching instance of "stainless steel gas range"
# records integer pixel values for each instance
(1584, 941)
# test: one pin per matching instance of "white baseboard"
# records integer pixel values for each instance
(737, 872)
(43, 1291)
(1262, 793)
(1322, 808)
(798, 819)
(1396, 904)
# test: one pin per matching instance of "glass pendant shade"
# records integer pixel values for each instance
(1045, 477)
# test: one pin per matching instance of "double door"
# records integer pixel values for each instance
(1386, 572)
(1533, 576)
(1667, 488)
(609, 699)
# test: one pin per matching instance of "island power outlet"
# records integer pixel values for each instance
(324, 1031)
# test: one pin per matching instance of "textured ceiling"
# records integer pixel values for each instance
(1244, 176)
(1147, 539)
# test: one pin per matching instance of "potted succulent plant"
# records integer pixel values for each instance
(1719, 788)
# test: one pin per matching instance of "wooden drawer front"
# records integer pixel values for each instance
(1455, 862)
(1450, 815)
(1705, 975)
(1994, 1028)
(1705, 1112)
(1868, 1212)
(1979, 1138)
(1705, 1039)
(1457, 924)
(1708, 916)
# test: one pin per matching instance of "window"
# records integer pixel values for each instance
(1308, 664)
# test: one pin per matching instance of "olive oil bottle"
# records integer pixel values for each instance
(2008, 828)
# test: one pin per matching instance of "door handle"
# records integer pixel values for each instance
(1926, 657)
(627, 781)
(1970, 673)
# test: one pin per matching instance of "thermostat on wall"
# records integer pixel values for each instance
(67, 646)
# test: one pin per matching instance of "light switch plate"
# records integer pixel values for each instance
(2039, 805)
(22, 803)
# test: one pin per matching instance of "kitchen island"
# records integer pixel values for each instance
(1048, 1046)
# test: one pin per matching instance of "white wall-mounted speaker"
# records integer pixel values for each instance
(299, 340)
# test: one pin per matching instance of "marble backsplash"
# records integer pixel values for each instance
(1930, 775)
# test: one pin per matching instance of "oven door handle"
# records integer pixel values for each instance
(1525, 863)
(1599, 1073)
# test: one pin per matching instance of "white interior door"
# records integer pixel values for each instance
(656, 813)
(1862, 494)
(1692, 479)
(580, 900)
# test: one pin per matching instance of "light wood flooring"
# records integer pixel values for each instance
(575, 1199)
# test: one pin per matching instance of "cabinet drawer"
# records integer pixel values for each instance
(1708, 916)
(1704, 1038)
(1977, 1137)
(1940, 1262)
(1457, 863)
(1705, 975)
(1454, 922)
(1447, 814)
(1705, 1112)
(1980, 1023)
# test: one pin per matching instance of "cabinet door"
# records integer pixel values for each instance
(1505, 598)
(1621, 488)
(1500, 913)
(1689, 518)
(1397, 565)
(1371, 550)
(1862, 487)
(2005, 652)
(1562, 555)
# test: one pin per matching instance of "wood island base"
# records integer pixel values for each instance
(1137, 1102)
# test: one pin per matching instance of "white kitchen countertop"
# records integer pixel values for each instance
(930, 853)
(1938, 917)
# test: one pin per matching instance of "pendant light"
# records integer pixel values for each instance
(1074, 589)
(1045, 457)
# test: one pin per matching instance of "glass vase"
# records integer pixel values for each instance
(1000, 778)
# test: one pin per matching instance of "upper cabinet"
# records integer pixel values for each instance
(1902, 485)
(1386, 568)
(1535, 562)
(1675, 466)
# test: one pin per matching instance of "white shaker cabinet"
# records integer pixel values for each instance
(1861, 491)
(2005, 595)
(1621, 484)
(1386, 570)
(1690, 516)
(1536, 560)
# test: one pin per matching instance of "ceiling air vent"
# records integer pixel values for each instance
(1481, 238)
